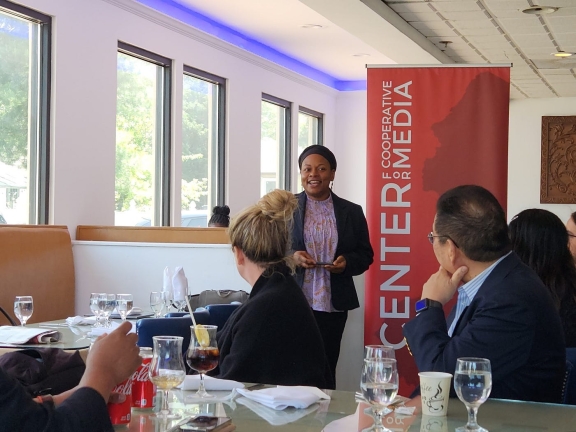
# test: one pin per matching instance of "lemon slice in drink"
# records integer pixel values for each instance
(202, 335)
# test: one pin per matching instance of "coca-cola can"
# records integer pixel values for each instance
(120, 413)
(143, 390)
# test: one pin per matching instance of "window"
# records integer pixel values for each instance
(275, 144)
(310, 131)
(142, 193)
(24, 114)
(203, 138)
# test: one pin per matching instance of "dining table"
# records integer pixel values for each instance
(343, 413)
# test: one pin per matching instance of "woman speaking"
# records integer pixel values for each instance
(331, 244)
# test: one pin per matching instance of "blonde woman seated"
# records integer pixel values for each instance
(273, 337)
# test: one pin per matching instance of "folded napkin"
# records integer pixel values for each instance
(167, 283)
(31, 335)
(81, 320)
(192, 382)
(282, 397)
(179, 285)
(276, 417)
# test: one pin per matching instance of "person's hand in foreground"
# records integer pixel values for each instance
(112, 359)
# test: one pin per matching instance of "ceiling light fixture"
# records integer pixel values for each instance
(562, 54)
(312, 26)
(535, 10)
(361, 55)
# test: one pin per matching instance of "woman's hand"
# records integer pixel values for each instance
(337, 266)
(303, 259)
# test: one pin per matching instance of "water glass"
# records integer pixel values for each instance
(95, 308)
(167, 369)
(379, 385)
(106, 305)
(158, 302)
(473, 383)
(23, 308)
(379, 351)
(124, 305)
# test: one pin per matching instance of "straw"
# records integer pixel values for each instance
(190, 310)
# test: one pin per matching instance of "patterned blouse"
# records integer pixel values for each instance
(321, 238)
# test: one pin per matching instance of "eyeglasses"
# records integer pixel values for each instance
(431, 237)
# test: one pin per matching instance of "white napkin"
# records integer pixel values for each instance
(179, 284)
(282, 397)
(79, 320)
(20, 335)
(192, 382)
(276, 417)
(167, 282)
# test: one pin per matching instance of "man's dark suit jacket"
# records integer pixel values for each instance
(353, 244)
(513, 322)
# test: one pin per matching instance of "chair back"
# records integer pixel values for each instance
(569, 388)
(150, 327)
(219, 313)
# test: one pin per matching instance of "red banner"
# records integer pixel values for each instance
(429, 129)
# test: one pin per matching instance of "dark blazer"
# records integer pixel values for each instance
(512, 322)
(353, 244)
(85, 410)
(273, 337)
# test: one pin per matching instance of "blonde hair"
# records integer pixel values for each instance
(264, 231)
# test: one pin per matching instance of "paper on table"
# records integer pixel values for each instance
(276, 417)
(192, 382)
(22, 335)
(282, 397)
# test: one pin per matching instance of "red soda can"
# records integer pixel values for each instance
(143, 390)
(120, 413)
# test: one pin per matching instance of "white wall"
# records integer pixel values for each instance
(524, 153)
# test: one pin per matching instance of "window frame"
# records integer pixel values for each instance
(40, 100)
(285, 166)
(320, 117)
(219, 177)
(163, 153)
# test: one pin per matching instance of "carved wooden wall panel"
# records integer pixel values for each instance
(558, 160)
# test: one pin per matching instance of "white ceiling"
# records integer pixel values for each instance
(410, 32)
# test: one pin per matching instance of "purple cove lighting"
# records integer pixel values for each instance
(233, 37)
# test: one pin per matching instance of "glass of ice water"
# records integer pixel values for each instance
(473, 383)
(124, 305)
(379, 384)
(158, 302)
(106, 305)
(23, 308)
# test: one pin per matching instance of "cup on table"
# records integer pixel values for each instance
(435, 392)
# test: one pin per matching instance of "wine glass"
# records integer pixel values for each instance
(167, 368)
(106, 305)
(157, 302)
(95, 308)
(23, 308)
(203, 354)
(379, 384)
(379, 351)
(473, 383)
(124, 305)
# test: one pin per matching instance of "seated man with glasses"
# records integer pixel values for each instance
(504, 313)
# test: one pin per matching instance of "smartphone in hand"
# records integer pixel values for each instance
(320, 264)
(204, 423)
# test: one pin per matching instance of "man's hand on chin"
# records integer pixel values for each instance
(442, 285)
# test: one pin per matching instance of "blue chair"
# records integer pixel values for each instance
(569, 389)
(219, 313)
(149, 327)
(177, 314)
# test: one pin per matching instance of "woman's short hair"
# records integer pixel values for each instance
(541, 241)
(263, 231)
(474, 219)
(220, 217)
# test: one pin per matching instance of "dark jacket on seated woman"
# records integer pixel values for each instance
(273, 337)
